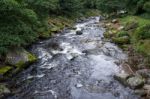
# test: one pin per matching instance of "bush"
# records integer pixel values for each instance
(122, 33)
(147, 7)
(143, 32)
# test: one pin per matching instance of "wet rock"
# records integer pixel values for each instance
(20, 58)
(140, 92)
(92, 51)
(144, 73)
(55, 46)
(4, 90)
(135, 82)
(79, 32)
(79, 85)
(122, 78)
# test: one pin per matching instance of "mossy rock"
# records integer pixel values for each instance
(121, 40)
(110, 33)
(5, 69)
(46, 34)
(131, 25)
(125, 47)
(20, 58)
(3, 91)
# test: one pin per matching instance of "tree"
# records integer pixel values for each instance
(70, 6)
(20, 20)
(110, 6)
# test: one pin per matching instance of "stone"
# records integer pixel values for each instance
(122, 77)
(146, 87)
(120, 28)
(147, 80)
(131, 25)
(20, 58)
(108, 24)
(79, 32)
(140, 92)
(135, 82)
(144, 73)
(4, 90)
(114, 21)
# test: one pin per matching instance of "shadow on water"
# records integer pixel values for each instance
(74, 66)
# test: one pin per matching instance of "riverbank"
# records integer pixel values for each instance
(131, 33)
(19, 59)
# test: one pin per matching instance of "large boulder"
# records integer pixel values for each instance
(20, 58)
(135, 82)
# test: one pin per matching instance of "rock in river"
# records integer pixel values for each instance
(79, 32)
(135, 82)
(20, 58)
(122, 78)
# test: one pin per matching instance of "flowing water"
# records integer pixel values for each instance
(74, 66)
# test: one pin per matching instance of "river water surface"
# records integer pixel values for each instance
(74, 66)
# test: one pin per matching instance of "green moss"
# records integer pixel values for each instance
(143, 32)
(147, 7)
(46, 34)
(20, 64)
(31, 57)
(122, 33)
(5, 69)
(121, 40)
(141, 21)
(143, 46)
(4, 89)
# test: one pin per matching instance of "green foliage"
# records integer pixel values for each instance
(109, 6)
(135, 6)
(147, 7)
(122, 33)
(20, 20)
(143, 32)
(70, 6)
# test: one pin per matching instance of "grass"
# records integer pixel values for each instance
(141, 21)
(140, 45)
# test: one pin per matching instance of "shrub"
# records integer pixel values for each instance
(147, 7)
(143, 32)
(122, 33)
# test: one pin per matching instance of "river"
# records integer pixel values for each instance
(72, 66)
